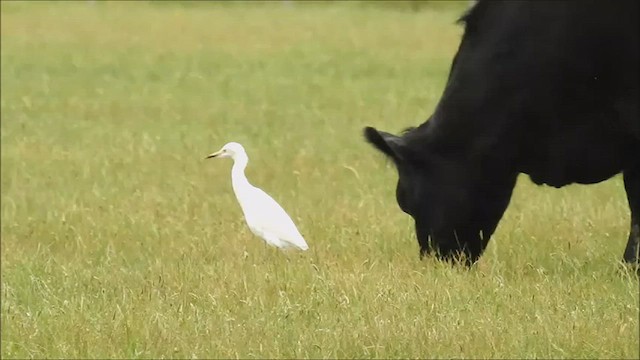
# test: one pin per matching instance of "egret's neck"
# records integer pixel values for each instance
(238, 178)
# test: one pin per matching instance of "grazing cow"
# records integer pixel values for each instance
(544, 88)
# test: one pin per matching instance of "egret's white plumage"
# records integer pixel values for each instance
(264, 216)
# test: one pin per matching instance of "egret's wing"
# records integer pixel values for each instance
(269, 216)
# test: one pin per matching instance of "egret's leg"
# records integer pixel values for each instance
(273, 241)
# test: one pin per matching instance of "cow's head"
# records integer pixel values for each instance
(454, 213)
(455, 177)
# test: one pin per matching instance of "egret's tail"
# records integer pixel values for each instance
(302, 244)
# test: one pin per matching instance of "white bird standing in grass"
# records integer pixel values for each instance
(265, 216)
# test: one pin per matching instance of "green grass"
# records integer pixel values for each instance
(120, 241)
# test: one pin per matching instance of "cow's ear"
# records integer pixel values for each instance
(391, 145)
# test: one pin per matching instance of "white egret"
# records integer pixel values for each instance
(264, 216)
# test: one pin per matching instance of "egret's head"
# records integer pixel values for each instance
(229, 150)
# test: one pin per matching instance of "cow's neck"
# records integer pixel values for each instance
(469, 128)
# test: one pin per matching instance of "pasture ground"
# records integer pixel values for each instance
(120, 241)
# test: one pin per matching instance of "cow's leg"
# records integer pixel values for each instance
(632, 185)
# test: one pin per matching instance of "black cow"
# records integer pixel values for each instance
(545, 88)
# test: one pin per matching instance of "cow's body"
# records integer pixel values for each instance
(545, 88)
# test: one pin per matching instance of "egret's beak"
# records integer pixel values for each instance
(214, 154)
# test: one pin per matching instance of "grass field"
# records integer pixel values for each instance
(120, 241)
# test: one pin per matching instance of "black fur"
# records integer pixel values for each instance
(545, 88)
